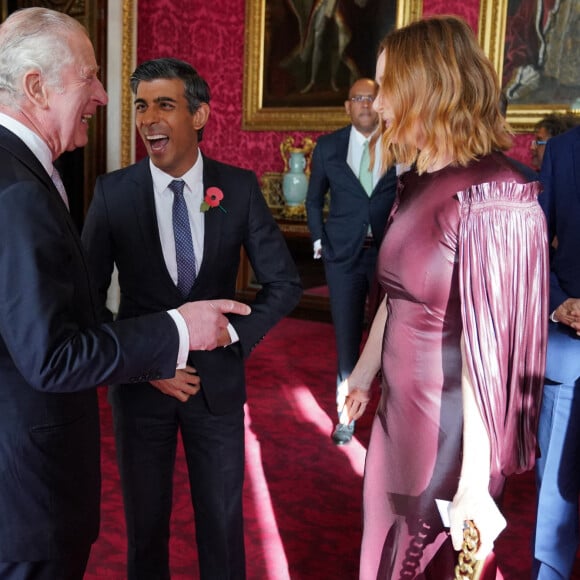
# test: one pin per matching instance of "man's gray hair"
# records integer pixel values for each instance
(34, 39)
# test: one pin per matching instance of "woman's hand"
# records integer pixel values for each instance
(352, 401)
(473, 502)
(353, 394)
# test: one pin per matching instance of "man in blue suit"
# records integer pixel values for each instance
(558, 468)
(132, 222)
(53, 351)
(348, 237)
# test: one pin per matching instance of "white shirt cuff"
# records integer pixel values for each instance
(553, 316)
(317, 249)
(183, 338)
(233, 334)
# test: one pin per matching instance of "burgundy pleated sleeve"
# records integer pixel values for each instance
(504, 275)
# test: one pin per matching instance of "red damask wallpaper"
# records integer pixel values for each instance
(210, 35)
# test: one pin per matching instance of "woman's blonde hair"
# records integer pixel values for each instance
(444, 90)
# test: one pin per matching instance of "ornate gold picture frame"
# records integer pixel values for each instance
(536, 55)
(279, 35)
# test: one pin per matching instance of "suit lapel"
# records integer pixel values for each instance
(143, 200)
(212, 218)
(342, 139)
(18, 148)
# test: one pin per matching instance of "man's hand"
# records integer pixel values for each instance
(183, 385)
(569, 313)
(206, 322)
(224, 338)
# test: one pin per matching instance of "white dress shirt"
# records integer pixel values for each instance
(193, 195)
(38, 147)
(356, 143)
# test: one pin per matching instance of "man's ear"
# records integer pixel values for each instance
(201, 116)
(347, 105)
(34, 88)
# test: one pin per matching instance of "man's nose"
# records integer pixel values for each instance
(100, 94)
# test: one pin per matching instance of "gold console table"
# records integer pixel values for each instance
(314, 304)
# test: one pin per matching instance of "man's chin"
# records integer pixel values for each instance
(79, 142)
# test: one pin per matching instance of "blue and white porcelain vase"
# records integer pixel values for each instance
(296, 170)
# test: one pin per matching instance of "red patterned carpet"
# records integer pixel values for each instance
(302, 494)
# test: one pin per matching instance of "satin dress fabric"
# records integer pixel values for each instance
(465, 252)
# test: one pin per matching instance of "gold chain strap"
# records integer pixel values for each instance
(468, 568)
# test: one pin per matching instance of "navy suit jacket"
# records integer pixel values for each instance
(52, 355)
(560, 176)
(351, 210)
(121, 227)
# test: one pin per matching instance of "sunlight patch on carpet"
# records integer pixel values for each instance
(313, 413)
(273, 550)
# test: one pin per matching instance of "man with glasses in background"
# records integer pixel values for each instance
(545, 128)
(347, 237)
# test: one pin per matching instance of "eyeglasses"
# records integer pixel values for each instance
(538, 142)
(362, 99)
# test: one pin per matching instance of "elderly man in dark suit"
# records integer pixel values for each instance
(134, 222)
(558, 468)
(52, 351)
(349, 237)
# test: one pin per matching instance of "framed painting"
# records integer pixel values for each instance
(535, 48)
(302, 55)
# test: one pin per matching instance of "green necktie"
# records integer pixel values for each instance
(365, 175)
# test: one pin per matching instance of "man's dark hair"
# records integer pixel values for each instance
(555, 124)
(196, 88)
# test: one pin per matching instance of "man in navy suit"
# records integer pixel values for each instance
(131, 223)
(558, 468)
(53, 353)
(348, 237)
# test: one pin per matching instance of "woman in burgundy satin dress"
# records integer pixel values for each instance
(461, 335)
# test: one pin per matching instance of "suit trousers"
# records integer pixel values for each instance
(71, 568)
(558, 478)
(146, 426)
(349, 288)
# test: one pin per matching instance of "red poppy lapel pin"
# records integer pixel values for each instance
(213, 198)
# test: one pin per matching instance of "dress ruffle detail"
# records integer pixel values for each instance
(504, 277)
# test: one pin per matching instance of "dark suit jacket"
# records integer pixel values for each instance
(121, 226)
(351, 209)
(560, 176)
(52, 355)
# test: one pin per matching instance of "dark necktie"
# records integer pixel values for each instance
(184, 254)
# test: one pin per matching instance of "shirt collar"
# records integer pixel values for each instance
(192, 177)
(358, 137)
(38, 147)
